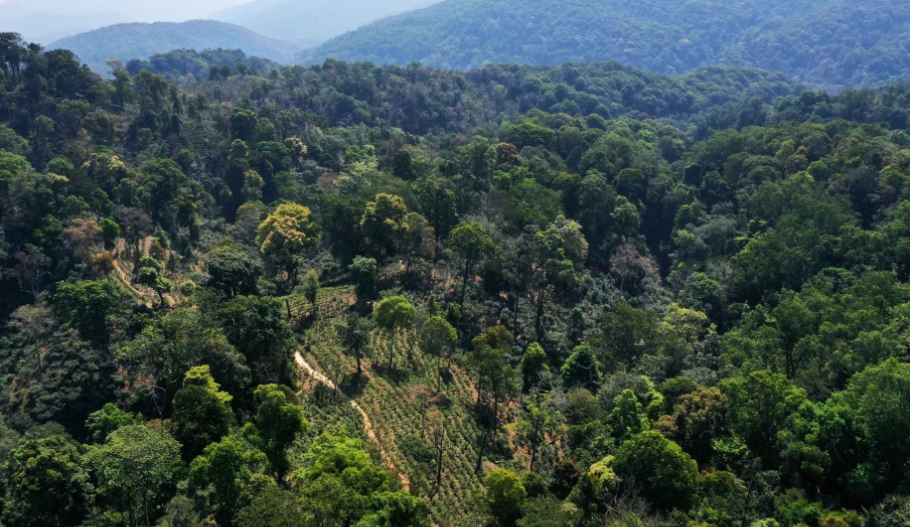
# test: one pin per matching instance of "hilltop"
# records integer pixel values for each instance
(141, 41)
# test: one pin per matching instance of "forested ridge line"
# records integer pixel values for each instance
(579, 296)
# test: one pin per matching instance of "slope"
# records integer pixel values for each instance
(140, 41)
(312, 22)
(819, 41)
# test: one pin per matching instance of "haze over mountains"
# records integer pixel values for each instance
(45, 21)
(141, 41)
(824, 42)
(312, 22)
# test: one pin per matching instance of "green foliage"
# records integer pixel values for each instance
(279, 421)
(46, 483)
(232, 272)
(724, 269)
(438, 338)
(627, 417)
(506, 496)
(285, 235)
(392, 314)
(149, 273)
(149, 40)
(89, 307)
(699, 418)
(201, 413)
(658, 469)
(273, 507)
(761, 404)
(108, 420)
(135, 468)
(365, 271)
(524, 36)
(382, 221)
(582, 370)
(227, 475)
(311, 286)
(533, 367)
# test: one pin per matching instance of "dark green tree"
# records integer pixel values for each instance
(46, 483)
(658, 470)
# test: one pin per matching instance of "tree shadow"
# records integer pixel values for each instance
(448, 378)
(392, 374)
(353, 385)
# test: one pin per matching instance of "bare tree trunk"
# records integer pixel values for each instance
(438, 374)
(359, 368)
(483, 444)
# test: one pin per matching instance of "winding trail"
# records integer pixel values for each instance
(169, 300)
(367, 423)
(125, 280)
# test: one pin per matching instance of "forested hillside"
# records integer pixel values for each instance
(826, 43)
(127, 42)
(238, 294)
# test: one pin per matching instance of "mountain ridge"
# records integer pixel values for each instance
(823, 43)
(142, 40)
(312, 22)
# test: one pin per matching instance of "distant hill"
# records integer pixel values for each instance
(141, 41)
(828, 43)
(312, 22)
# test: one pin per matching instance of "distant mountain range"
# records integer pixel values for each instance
(827, 43)
(44, 21)
(44, 28)
(312, 22)
(141, 41)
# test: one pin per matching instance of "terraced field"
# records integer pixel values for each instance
(402, 402)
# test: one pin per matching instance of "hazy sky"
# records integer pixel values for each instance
(140, 10)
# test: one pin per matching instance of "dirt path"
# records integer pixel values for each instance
(126, 282)
(367, 423)
(123, 278)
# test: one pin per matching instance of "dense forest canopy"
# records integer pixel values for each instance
(240, 294)
(825, 43)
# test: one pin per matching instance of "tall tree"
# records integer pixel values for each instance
(392, 314)
(279, 421)
(202, 414)
(285, 235)
(354, 337)
(438, 338)
(470, 242)
(226, 474)
(382, 222)
(137, 467)
(506, 495)
(46, 483)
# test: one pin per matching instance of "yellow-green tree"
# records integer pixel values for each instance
(382, 222)
(285, 235)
